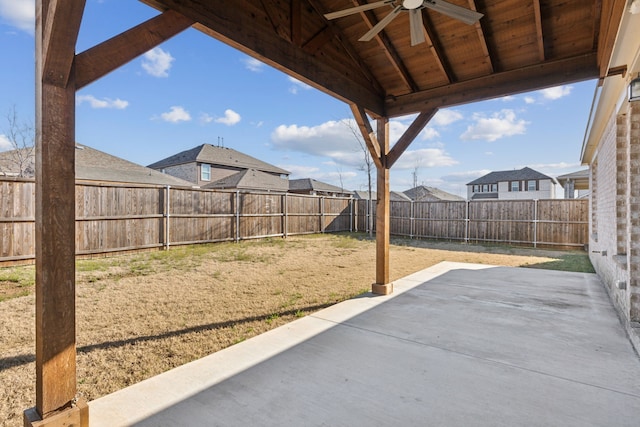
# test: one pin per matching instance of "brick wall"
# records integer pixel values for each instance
(633, 212)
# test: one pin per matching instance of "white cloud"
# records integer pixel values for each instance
(529, 99)
(297, 85)
(557, 92)
(429, 133)
(446, 117)
(465, 177)
(230, 118)
(5, 144)
(157, 62)
(424, 157)
(253, 64)
(21, 14)
(499, 125)
(206, 118)
(176, 114)
(94, 102)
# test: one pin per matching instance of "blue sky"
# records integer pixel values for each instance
(193, 89)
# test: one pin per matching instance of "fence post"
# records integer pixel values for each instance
(350, 214)
(285, 213)
(167, 214)
(535, 223)
(411, 220)
(466, 222)
(321, 214)
(237, 209)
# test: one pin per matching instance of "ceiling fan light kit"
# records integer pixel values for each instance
(414, 7)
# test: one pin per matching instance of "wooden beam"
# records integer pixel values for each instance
(409, 135)
(347, 46)
(101, 59)
(55, 224)
(610, 18)
(61, 24)
(431, 38)
(389, 50)
(370, 139)
(383, 221)
(296, 22)
(526, 79)
(539, 34)
(235, 27)
(483, 39)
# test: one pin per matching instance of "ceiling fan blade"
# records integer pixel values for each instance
(353, 10)
(467, 16)
(380, 25)
(416, 26)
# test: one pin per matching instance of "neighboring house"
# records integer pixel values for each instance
(575, 182)
(422, 193)
(205, 164)
(316, 188)
(611, 148)
(251, 180)
(394, 196)
(97, 166)
(524, 183)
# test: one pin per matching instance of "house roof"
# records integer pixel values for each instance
(251, 179)
(96, 165)
(223, 156)
(513, 175)
(580, 179)
(425, 193)
(394, 196)
(310, 184)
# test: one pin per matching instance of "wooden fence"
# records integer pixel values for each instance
(561, 223)
(113, 218)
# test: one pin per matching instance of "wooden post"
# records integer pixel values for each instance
(56, 402)
(382, 285)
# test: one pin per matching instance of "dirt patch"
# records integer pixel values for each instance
(140, 315)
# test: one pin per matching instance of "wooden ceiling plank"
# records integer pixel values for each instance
(231, 26)
(60, 33)
(348, 47)
(284, 30)
(582, 67)
(390, 51)
(296, 22)
(368, 134)
(101, 59)
(409, 135)
(539, 34)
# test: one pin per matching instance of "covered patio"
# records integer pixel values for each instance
(456, 344)
(411, 66)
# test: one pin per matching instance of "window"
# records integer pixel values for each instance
(476, 188)
(205, 172)
(485, 188)
(494, 188)
(531, 185)
(515, 185)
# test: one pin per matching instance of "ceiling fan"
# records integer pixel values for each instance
(414, 7)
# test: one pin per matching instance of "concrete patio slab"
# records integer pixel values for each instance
(454, 345)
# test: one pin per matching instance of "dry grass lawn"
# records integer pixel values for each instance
(141, 314)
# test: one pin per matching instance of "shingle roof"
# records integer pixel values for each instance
(394, 196)
(223, 156)
(513, 175)
(310, 184)
(95, 165)
(251, 179)
(422, 193)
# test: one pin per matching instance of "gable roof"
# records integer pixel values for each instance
(251, 179)
(513, 175)
(580, 179)
(310, 184)
(96, 165)
(425, 193)
(223, 156)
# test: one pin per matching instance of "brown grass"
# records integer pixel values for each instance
(142, 314)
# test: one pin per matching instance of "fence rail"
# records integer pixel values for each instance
(113, 218)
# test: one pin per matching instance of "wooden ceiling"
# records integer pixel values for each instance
(518, 46)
